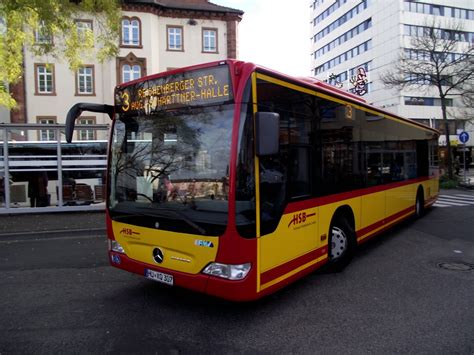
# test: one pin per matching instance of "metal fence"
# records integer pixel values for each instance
(40, 172)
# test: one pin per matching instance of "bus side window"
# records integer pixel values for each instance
(340, 165)
(422, 158)
(374, 169)
(299, 172)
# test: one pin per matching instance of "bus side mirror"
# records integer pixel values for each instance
(76, 110)
(267, 126)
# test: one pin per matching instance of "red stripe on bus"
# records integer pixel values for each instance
(364, 231)
(283, 269)
(291, 265)
(320, 201)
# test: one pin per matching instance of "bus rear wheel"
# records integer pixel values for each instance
(341, 244)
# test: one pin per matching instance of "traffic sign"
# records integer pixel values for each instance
(463, 137)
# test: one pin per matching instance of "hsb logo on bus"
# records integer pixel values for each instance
(127, 231)
(299, 218)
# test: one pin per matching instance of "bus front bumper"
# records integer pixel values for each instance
(242, 290)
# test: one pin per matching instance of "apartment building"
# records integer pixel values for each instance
(354, 42)
(155, 36)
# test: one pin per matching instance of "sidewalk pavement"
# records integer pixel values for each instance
(467, 180)
(52, 224)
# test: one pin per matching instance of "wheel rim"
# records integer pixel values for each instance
(338, 243)
(418, 207)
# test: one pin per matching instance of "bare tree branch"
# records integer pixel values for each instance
(439, 57)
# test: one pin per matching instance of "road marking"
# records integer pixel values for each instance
(458, 199)
(462, 195)
(447, 203)
(454, 200)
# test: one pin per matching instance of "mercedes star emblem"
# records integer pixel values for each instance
(158, 255)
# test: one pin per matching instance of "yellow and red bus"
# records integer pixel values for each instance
(234, 180)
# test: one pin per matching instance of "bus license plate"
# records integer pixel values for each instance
(159, 276)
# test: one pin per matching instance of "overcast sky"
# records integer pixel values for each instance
(274, 33)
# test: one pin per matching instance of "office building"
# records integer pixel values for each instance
(354, 42)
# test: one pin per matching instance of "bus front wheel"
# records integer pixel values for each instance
(341, 244)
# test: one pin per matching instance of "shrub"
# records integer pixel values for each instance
(446, 183)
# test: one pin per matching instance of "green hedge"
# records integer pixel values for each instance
(446, 183)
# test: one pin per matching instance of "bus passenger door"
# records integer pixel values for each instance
(288, 225)
(286, 221)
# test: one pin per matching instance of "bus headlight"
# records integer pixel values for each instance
(230, 272)
(116, 247)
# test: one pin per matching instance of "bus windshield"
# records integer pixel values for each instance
(169, 169)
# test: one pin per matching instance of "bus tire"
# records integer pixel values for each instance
(341, 245)
(419, 204)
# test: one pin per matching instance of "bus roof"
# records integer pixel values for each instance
(323, 87)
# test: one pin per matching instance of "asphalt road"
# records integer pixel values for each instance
(59, 295)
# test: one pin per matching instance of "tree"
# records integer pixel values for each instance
(467, 97)
(437, 58)
(22, 22)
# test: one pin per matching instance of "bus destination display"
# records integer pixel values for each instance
(195, 88)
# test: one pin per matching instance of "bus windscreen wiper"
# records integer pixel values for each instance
(151, 212)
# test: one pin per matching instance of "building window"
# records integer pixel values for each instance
(439, 10)
(344, 38)
(175, 38)
(47, 134)
(361, 48)
(85, 80)
(83, 28)
(86, 134)
(422, 31)
(44, 79)
(130, 68)
(328, 11)
(131, 32)
(426, 101)
(341, 20)
(209, 40)
(130, 72)
(43, 34)
(453, 125)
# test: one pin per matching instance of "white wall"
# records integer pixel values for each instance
(153, 49)
(192, 43)
(65, 92)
